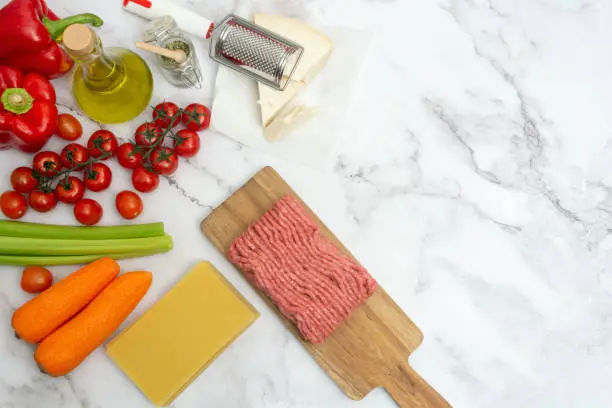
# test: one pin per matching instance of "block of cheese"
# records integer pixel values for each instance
(288, 119)
(177, 338)
(317, 49)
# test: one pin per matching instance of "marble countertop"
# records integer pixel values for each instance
(471, 181)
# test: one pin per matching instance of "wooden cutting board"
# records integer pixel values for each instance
(371, 348)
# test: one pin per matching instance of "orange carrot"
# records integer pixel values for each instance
(63, 350)
(36, 319)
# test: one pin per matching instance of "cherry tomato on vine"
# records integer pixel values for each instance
(73, 154)
(144, 181)
(98, 177)
(88, 211)
(22, 180)
(41, 201)
(128, 156)
(13, 204)
(36, 279)
(196, 117)
(129, 204)
(164, 161)
(70, 190)
(163, 114)
(147, 134)
(187, 143)
(68, 127)
(102, 142)
(47, 163)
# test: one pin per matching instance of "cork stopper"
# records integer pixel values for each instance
(79, 40)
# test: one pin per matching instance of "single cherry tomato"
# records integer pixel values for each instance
(187, 143)
(70, 190)
(144, 181)
(68, 127)
(129, 204)
(147, 134)
(196, 117)
(41, 201)
(36, 279)
(74, 154)
(88, 211)
(164, 113)
(47, 163)
(129, 156)
(22, 180)
(164, 161)
(13, 204)
(98, 177)
(102, 143)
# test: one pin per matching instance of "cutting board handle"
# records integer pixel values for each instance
(409, 390)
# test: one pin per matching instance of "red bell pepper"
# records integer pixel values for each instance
(28, 30)
(51, 62)
(28, 115)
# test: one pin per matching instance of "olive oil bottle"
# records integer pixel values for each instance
(111, 85)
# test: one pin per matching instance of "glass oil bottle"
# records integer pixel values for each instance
(111, 85)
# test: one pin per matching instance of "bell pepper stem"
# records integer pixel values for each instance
(57, 27)
(16, 100)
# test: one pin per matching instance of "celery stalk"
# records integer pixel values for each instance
(26, 260)
(49, 246)
(32, 230)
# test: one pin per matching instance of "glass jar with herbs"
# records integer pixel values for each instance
(164, 32)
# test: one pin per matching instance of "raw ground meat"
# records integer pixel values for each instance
(313, 284)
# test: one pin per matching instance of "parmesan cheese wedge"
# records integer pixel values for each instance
(287, 120)
(317, 49)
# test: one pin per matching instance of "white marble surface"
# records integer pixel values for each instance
(472, 183)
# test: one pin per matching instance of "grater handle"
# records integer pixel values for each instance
(186, 19)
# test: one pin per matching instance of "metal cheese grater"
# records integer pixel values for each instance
(235, 42)
(255, 51)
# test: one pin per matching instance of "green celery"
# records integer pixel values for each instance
(32, 230)
(47, 246)
(26, 260)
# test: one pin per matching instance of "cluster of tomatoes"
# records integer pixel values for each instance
(154, 151)
(156, 148)
(35, 182)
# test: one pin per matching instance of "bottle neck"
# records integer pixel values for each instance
(100, 71)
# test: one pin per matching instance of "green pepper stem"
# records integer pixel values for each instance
(16, 100)
(57, 27)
